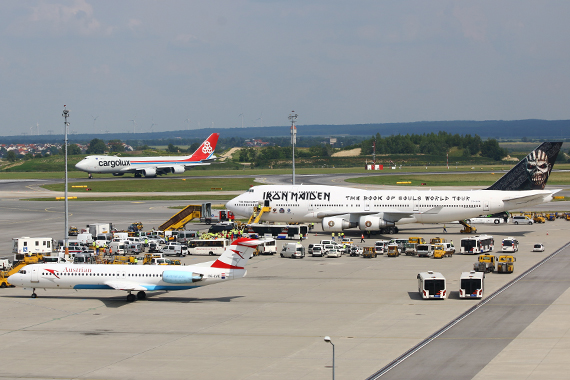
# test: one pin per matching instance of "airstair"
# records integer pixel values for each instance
(468, 229)
(179, 220)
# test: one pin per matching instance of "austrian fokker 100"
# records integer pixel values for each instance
(339, 208)
(150, 166)
(138, 278)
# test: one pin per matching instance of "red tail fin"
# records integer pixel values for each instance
(206, 150)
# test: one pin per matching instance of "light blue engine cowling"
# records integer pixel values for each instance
(179, 277)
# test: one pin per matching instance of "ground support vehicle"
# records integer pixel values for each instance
(539, 219)
(357, 251)
(333, 252)
(154, 246)
(432, 285)
(424, 250)
(506, 264)
(318, 250)
(268, 247)
(21, 260)
(346, 240)
(207, 246)
(4, 279)
(477, 244)
(148, 257)
(411, 249)
(438, 251)
(538, 247)
(521, 220)
(468, 229)
(73, 231)
(293, 250)
(125, 260)
(471, 284)
(509, 244)
(400, 243)
(436, 240)
(368, 252)
(381, 246)
(179, 220)
(175, 249)
(485, 263)
(550, 217)
(279, 231)
(416, 240)
(393, 250)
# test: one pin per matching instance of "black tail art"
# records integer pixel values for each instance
(532, 172)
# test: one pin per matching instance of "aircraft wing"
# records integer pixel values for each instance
(391, 216)
(124, 285)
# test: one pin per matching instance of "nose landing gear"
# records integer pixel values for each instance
(34, 295)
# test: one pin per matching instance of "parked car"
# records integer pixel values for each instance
(317, 250)
(333, 252)
(538, 247)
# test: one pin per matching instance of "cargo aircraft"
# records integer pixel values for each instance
(150, 166)
(138, 278)
(340, 208)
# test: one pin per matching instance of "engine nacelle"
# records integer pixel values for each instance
(180, 277)
(372, 223)
(177, 169)
(150, 172)
(335, 224)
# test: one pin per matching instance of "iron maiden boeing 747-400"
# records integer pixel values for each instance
(339, 208)
(150, 166)
(139, 278)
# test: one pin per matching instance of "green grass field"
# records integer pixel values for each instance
(142, 185)
(140, 198)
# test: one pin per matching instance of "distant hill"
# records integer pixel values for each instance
(532, 128)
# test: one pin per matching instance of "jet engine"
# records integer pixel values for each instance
(149, 172)
(334, 224)
(372, 223)
(179, 277)
(179, 169)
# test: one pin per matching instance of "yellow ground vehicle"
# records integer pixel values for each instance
(539, 219)
(393, 250)
(506, 264)
(417, 240)
(436, 240)
(22, 261)
(438, 251)
(147, 259)
(124, 260)
(73, 231)
(485, 263)
(369, 252)
(550, 217)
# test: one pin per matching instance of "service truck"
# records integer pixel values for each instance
(99, 228)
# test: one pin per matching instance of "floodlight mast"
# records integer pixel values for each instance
(65, 234)
(293, 118)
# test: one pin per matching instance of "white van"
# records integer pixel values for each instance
(293, 250)
(268, 247)
(318, 250)
(186, 236)
(510, 244)
(116, 248)
(381, 246)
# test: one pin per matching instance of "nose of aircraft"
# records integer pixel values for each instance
(80, 165)
(14, 279)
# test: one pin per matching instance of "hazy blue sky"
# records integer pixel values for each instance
(188, 64)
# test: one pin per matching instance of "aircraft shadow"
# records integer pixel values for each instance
(119, 301)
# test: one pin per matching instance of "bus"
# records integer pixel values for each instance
(432, 285)
(279, 231)
(477, 244)
(471, 284)
(210, 247)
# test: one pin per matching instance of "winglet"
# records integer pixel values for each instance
(532, 172)
(237, 254)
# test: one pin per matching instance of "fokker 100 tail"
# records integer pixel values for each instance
(532, 172)
(237, 254)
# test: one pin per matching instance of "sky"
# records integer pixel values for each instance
(144, 65)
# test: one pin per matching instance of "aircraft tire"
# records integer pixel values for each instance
(34, 295)
(496, 221)
(516, 222)
(131, 297)
(141, 295)
(3, 285)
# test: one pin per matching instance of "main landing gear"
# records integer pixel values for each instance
(140, 296)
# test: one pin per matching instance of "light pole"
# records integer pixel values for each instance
(293, 118)
(65, 235)
(328, 339)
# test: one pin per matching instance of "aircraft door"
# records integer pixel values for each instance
(415, 205)
(485, 205)
(366, 205)
(35, 275)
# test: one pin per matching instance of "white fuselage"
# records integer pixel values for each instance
(312, 203)
(106, 276)
(114, 164)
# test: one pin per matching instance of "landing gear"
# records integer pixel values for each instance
(141, 295)
(138, 175)
(131, 297)
(34, 295)
(90, 176)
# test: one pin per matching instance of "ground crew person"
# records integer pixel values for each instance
(362, 238)
(332, 236)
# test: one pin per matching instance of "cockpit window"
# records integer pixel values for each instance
(23, 271)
